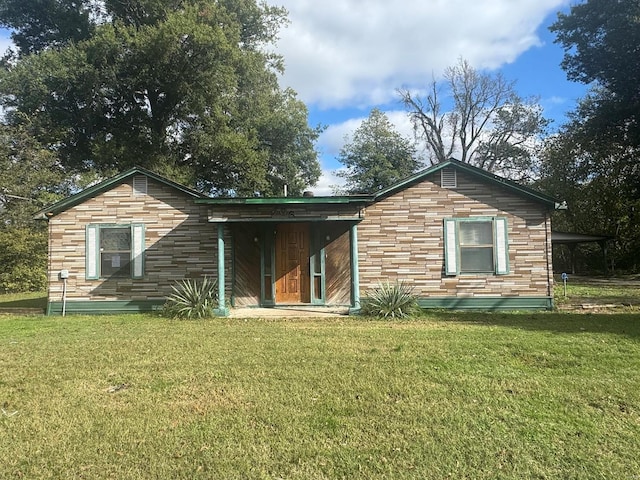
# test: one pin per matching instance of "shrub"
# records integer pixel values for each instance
(23, 257)
(389, 300)
(192, 299)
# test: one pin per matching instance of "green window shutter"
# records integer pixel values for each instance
(501, 246)
(92, 252)
(137, 250)
(450, 247)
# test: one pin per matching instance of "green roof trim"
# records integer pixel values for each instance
(343, 200)
(108, 184)
(516, 188)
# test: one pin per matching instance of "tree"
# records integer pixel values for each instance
(30, 177)
(377, 156)
(599, 145)
(600, 182)
(44, 24)
(488, 124)
(601, 39)
(188, 89)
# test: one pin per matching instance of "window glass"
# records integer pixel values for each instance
(115, 252)
(476, 247)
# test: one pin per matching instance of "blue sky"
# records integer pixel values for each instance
(345, 57)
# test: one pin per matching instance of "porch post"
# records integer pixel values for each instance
(355, 272)
(221, 311)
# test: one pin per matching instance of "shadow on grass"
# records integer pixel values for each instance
(36, 302)
(627, 323)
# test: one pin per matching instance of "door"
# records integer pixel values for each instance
(292, 263)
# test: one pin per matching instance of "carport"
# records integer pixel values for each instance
(572, 240)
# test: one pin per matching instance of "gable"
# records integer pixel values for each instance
(447, 169)
(136, 177)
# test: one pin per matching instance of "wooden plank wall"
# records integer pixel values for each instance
(246, 288)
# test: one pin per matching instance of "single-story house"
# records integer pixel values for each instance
(460, 236)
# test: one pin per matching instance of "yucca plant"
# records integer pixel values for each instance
(192, 298)
(390, 300)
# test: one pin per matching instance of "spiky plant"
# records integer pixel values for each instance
(390, 300)
(192, 298)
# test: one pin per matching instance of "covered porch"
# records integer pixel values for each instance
(291, 252)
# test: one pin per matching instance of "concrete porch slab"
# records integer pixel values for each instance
(299, 311)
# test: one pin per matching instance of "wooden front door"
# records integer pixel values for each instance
(292, 263)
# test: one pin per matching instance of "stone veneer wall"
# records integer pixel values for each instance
(402, 238)
(179, 243)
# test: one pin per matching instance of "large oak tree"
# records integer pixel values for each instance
(184, 87)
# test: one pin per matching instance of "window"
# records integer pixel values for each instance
(476, 245)
(114, 251)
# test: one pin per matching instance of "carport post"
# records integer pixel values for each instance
(355, 271)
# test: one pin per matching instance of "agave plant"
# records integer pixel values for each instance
(192, 298)
(390, 300)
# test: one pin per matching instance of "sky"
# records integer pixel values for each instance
(346, 57)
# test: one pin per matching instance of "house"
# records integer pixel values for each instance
(460, 236)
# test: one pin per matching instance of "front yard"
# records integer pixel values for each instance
(451, 395)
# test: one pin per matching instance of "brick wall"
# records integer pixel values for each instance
(401, 238)
(179, 243)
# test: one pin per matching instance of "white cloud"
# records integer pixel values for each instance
(327, 183)
(357, 52)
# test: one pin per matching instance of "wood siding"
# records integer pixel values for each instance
(402, 238)
(246, 267)
(179, 243)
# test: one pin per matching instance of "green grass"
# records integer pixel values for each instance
(598, 291)
(469, 395)
(24, 300)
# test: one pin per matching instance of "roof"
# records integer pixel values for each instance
(333, 200)
(200, 198)
(108, 184)
(479, 173)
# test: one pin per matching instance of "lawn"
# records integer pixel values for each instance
(451, 395)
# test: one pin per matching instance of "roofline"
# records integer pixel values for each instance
(478, 172)
(341, 200)
(89, 192)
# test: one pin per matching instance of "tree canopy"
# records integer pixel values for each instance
(483, 121)
(601, 40)
(376, 156)
(592, 161)
(186, 88)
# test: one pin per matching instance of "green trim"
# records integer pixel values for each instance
(221, 301)
(135, 259)
(97, 307)
(317, 255)
(361, 199)
(108, 184)
(455, 250)
(520, 190)
(285, 219)
(92, 252)
(355, 268)
(487, 303)
(496, 246)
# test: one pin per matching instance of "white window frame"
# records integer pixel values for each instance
(93, 254)
(452, 245)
